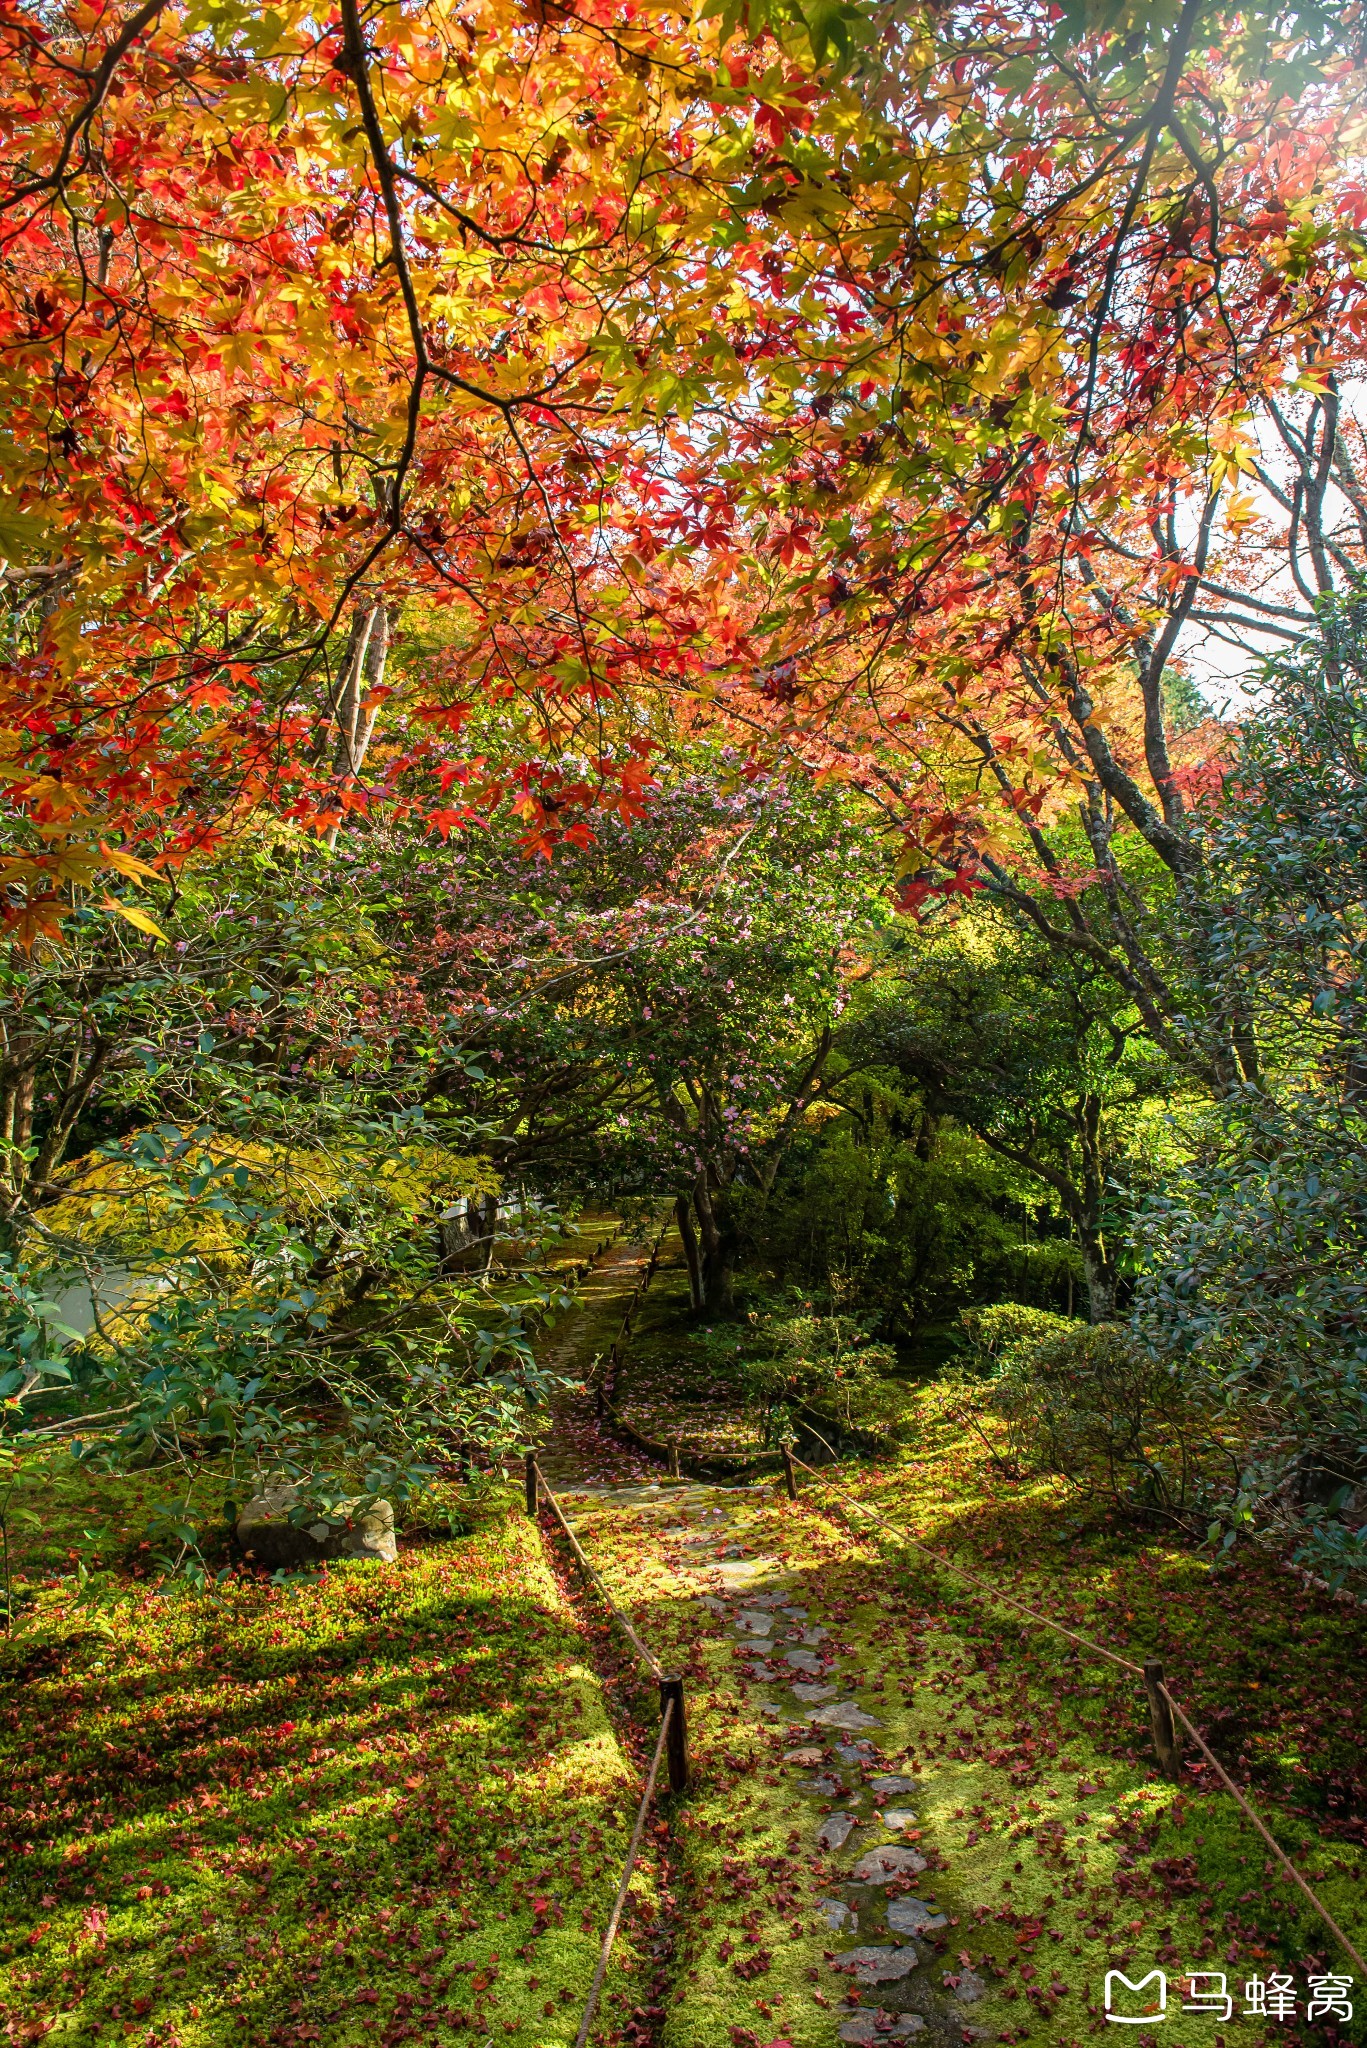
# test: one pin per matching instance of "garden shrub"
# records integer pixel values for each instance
(782, 1357)
(1089, 1403)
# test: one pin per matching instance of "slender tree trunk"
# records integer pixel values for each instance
(1097, 1263)
(683, 1211)
(357, 708)
(1101, 1278)
(718, 1252)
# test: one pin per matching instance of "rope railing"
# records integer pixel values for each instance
(1163, 1707)
(1285, 1861)
(984, 1585)
(672, 1741)
(537, 1487)
(634, 1850)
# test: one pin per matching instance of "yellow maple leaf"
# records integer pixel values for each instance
(137, 918)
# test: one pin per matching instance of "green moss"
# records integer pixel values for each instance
(1055, 1849)
(310, 1813)
(298, 1813)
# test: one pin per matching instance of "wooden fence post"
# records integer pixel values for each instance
(1160, 1715)
(676, 1743)
(674, 1471)
(533, 1476)
(789, 1471)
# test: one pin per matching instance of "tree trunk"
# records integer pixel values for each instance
(719, 1281)
(1101, 1278)
(1097, 1263)
(690, 1244)
(718, 1252)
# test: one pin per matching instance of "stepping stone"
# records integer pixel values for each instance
(809, 1635)
(809, 1755)
(808, 1693)
(836, 1830)
(828, 1788)
(861, 1752)
(914, 1916)
(878, 1965)
(839, 1917)
(803, 1660)
(844, 1714)
(867, 2028)
(797, 1614)
(749, 1623)
(743, 1572)
(768, 1600)
(892, 1783)
(891, 1860)
(969, 1988)
(897, 1818)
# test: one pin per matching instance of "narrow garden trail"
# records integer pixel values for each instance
(391, 1804)
(800, 1902)
(899, 1826)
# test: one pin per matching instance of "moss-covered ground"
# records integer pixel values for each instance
(1055, 1851)
(391, 1804)
(383, 1804)
(386, 1805)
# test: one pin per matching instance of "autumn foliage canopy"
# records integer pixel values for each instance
(429, 406)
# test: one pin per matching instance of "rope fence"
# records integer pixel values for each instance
(600, 1973)
(671, 1743)
(1163, 1708)
(537, 1487)
(1165, 1713)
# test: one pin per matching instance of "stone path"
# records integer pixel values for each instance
(878, 1932)
(579, 1456)
(882, 1917)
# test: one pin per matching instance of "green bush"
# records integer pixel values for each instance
(1086, 1402)
(780, 1358)
(994, 1331)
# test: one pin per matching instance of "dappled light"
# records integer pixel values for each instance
(683, 1023)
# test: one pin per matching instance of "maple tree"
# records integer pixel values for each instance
(1085, 389)
(654, 1013)
(470, 377)
(337, 357)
